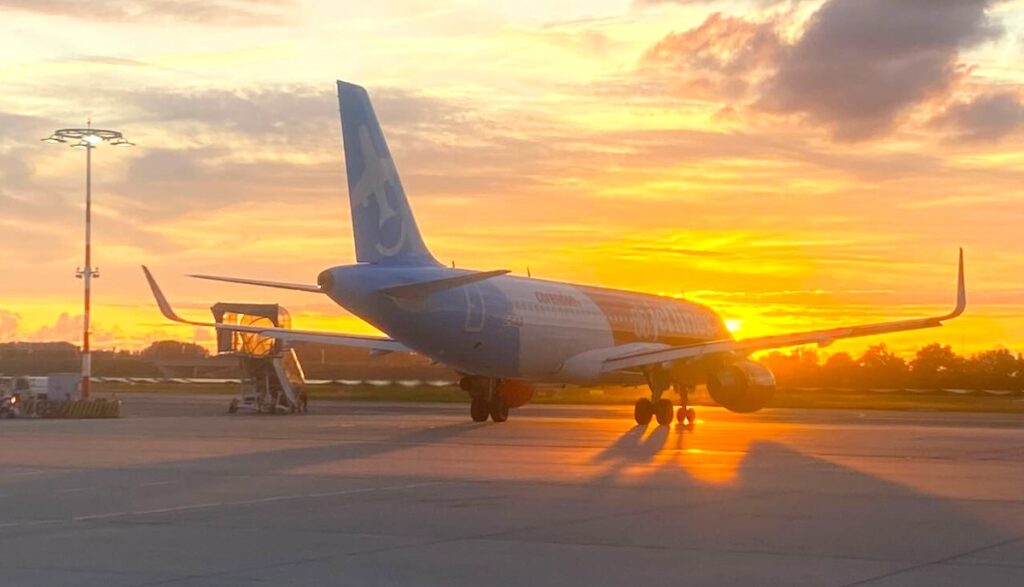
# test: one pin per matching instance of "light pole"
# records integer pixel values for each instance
(87, 138)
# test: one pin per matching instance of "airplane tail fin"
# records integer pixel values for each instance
(382, 221)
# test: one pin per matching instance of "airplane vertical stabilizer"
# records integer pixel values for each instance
(382, 221)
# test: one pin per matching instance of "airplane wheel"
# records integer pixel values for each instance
(686, 416)
(663, 411)
(499, 410)
(478, 409)
(642, 411)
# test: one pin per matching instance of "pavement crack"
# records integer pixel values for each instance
(939, 561)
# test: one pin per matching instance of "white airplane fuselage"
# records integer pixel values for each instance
(516, 327)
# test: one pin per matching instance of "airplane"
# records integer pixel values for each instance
(506, 334)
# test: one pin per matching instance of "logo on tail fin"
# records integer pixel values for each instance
(378, 172)
(383, 226)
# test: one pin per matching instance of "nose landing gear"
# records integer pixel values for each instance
(687, 416)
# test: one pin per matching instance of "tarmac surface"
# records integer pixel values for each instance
(180, 493)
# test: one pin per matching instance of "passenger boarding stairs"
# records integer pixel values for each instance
(272, 378)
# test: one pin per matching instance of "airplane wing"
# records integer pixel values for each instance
(262, 283)
(819, 337)
(376, 343)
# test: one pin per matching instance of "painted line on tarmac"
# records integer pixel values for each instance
(219, 504)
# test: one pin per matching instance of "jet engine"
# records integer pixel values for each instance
(744, 386)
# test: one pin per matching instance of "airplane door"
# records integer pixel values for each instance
(474, 309)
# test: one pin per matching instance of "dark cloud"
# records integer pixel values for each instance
(719, 58)
(857, 69)
(860, 64)
(234, 12)
(985, 118)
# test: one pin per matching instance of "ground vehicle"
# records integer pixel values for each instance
(10, 406)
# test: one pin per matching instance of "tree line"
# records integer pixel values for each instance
(934, 366)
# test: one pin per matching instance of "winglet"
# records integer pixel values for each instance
(161, 301)
(961, 291)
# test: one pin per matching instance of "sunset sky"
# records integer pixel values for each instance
(794, 164)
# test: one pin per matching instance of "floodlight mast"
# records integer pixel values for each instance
(88, 138)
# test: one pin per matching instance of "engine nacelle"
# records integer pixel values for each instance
(514, 393)
(743, 387)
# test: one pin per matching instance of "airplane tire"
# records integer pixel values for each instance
(687, 416)
(478, 409)
(663, 412)
(499, 410)
(642, 411)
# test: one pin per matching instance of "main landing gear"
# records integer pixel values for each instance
(663, 411)
(661, 408)
(480, 408)
(485, 401)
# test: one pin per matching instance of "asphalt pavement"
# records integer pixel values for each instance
(180, 493)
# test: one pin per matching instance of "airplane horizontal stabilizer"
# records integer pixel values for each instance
(423, 289)
(374, 343)
(261, 283)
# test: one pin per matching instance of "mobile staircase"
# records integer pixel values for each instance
(272, 379)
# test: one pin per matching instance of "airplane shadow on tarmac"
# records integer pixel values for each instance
(263, 462)
(763, 496)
